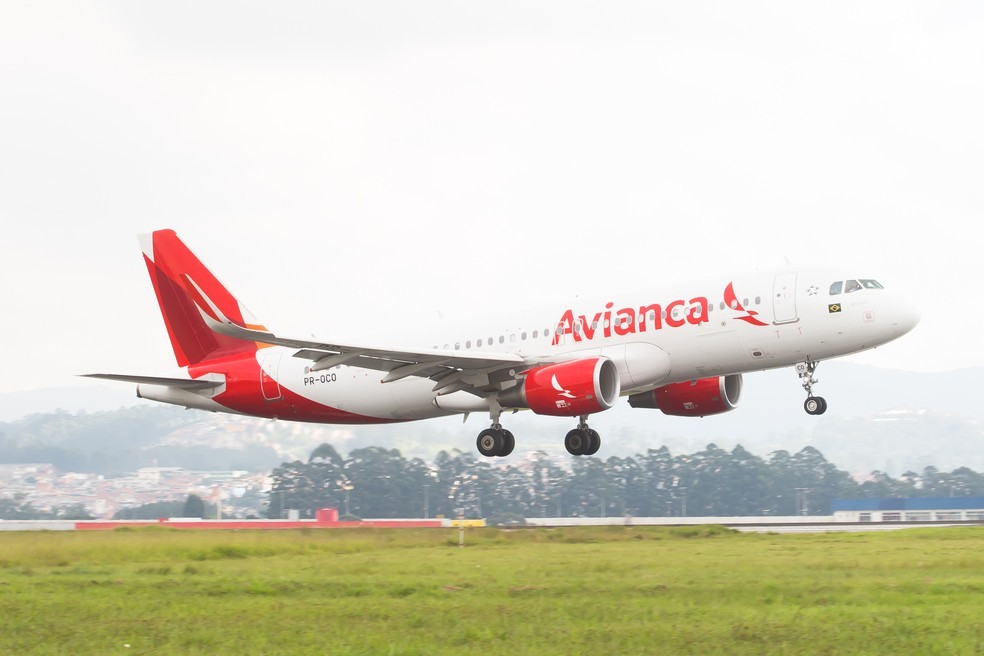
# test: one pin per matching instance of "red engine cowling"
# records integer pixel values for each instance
(568, 389)
(699, 398)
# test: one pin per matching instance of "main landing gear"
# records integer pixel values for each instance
(582, 441)
(814, 405)
(497, 442)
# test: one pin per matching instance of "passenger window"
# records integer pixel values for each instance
(851, 286)
(512, 338)
(502, 339)
(836, 288)
(523, 336)
(536, 334)
(468, 344)
(546, 333)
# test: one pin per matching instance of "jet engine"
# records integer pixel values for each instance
(698, 398)
(567, 389)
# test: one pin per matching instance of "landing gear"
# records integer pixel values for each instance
(495, 442)
(814, 405)
(582, 441)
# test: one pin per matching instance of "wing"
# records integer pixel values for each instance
(451, 371)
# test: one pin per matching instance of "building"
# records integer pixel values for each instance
(913, 509)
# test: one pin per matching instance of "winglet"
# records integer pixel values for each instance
(213, 317)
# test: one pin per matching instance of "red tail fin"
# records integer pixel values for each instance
(169, 262)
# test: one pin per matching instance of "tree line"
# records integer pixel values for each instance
(380, 483)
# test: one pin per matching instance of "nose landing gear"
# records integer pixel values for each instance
(814, 405)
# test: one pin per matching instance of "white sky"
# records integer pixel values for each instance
(337, 163)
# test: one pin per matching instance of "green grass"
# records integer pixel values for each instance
(611, 590)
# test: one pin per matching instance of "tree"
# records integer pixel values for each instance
(382, 483)
(194, 507)
(307, 486)
(154, 510)
(75, 512)
(18, 507)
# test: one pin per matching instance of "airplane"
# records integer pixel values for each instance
(681, 348)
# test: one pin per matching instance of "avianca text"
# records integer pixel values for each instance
(626, 321)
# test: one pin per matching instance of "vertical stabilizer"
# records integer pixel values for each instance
(170, 263)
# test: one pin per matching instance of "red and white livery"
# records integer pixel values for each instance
(681, 349)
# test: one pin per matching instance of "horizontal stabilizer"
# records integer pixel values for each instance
(181, 383)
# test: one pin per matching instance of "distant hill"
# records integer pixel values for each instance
(877, 419)
(88, 398)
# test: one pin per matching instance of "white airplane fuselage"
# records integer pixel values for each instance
(670, 334)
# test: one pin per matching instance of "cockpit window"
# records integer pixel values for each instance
(853, 286)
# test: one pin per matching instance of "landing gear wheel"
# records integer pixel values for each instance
(595, 442)
(490, 442)
(815, 405)
(508, 443)
(577, 441)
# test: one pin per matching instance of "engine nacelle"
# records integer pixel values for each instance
(568, 389)
(699, 398)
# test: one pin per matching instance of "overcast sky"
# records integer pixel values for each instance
(336, 164)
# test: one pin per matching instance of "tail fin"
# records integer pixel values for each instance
(170, 264)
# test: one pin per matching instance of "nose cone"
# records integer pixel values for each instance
(905, 316)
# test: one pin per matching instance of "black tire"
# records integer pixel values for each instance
(595, 442)
(489, 442)
(508, 443)
(814, 405)
(823, 405)
(576, 441)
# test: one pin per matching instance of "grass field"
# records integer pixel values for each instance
(611, 590)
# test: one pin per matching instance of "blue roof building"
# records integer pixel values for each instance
(912, 509)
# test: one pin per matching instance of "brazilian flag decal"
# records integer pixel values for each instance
(833, 308)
